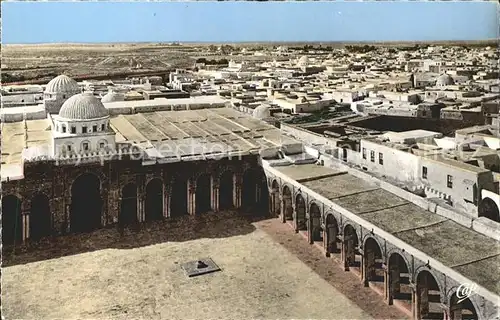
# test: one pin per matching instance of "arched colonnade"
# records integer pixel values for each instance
(155, 199)
(391, 272)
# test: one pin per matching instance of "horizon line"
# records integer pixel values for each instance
(253, 42)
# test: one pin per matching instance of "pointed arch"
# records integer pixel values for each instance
(263, 194)
(489, 209)
(249, 189)
(226, 190)
(12, 221)
(428, 296)
(178, 198)
(373, 271)
(128, 205)
(316, 231)
(350, 246)
(287, 204)
(300, 213)
(154, 200)
(86, 203)
(399, 279)
(203, 193)
(464, 309)
(40, 222)
(332, 231)
(275, 198)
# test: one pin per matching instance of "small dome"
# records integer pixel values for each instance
(112, 97)
(304, 60)
(262, 112)
(62, 84)
(444, 80)
(83, 106)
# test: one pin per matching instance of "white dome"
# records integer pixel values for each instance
(444, 80)
(62, 84)
(112, 96)
(262, 112)
(83, 106)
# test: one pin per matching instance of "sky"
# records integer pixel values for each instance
(101, 22)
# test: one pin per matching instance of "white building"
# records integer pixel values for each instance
(57, 91)
(82, 127)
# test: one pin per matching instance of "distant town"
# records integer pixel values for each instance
(385, 158)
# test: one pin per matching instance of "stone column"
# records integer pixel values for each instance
(387, 285)
(393, 285)
(214, 190)
(67, 212)
(120, 203)
(415, 301)
(351, 254)
(191, 197)
(25, 224)
(368, 266)
(166, 202)
(295, 215)
(424, 297)
(455, 312)
(331, 240)
(282, 208)
(237, 191)
(448, 313)
(104, 207)
(343, 254)
(270, 206)
(58, 214)
(258, 194)
(348, 252)
(141, 212)
(326, 240)
(310, 230)
(420, 299)
(276, 203)
(114, 203)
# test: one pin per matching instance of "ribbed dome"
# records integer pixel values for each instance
(262, 112)
(112, 96)
(62, 84)
(83, 106)
(444, 80)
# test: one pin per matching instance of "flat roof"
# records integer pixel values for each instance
(23, 109)
(455, 163)
(190, 132)
(18, 135)
(165, 102)
(165, 134)
(411, 134)
(468, 252)
(307, 171)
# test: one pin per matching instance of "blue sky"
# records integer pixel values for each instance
(56, 22)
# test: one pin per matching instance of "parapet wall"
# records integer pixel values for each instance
(480, 225)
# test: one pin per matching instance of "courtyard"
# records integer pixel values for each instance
(268, 272)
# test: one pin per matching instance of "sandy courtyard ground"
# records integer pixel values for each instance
(261, 279)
